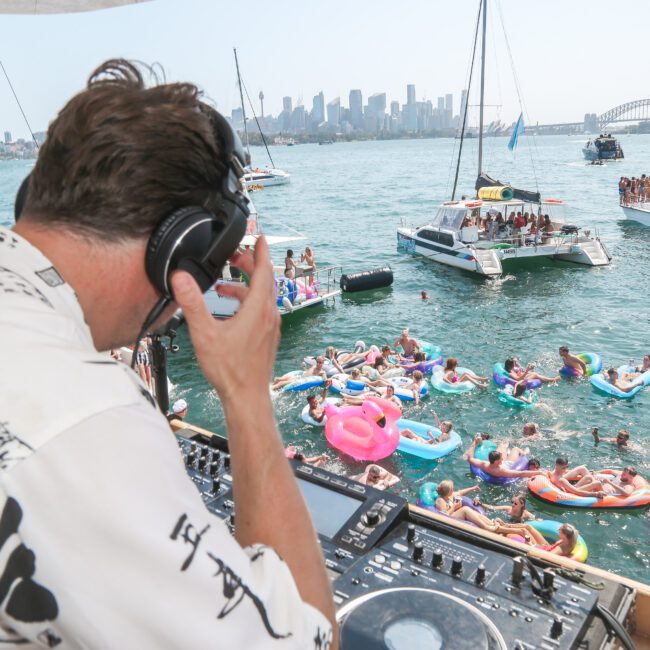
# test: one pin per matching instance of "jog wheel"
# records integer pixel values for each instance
(410, 618)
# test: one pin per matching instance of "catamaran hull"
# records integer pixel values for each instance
(642, 215)
(488, 261)
(267, 179)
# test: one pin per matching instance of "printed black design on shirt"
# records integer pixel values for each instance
(21, 597)
(323, 639)
(49, 638)
(233, 588)
(12, 448)
(8, 238)
(13, 283)
(51, 277)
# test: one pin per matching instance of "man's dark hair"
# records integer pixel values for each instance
(630, 470)
(561, 461)
(533, 463)
(120, 157)
(493, 456)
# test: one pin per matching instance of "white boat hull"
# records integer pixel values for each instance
(640, 213)
(267, 178)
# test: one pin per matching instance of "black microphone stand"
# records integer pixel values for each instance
(159, 358)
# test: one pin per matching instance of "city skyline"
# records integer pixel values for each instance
(291, 53)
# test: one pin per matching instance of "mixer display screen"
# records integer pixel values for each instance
(329, 510)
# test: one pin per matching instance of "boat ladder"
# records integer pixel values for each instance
(596, 252)
(487, 261)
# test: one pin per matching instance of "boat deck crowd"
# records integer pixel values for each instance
(632, 191)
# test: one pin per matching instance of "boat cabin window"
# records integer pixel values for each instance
(449, 218)
(444, 238)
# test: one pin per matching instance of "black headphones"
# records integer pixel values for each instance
(191, 238)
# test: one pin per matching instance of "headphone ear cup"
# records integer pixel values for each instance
(182, 239)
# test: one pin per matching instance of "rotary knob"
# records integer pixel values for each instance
(480, 574)
(456, 566)
(371, 517)
(418, 551)
(437, 558)
(216, 484)
(517, 570)
(549, 579)
(410, 533)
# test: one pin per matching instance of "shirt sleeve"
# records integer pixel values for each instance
(133, 559)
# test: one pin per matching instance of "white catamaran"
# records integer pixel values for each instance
(483, 234)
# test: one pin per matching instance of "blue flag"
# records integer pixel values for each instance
(519, 128)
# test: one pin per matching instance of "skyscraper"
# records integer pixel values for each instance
(441, 104)
(287, 104)
(334, 112)
(463, 103)
(394, 109)
(356, 109)
(318, 109)
(7, 137)
(410, 94)
(375, 112)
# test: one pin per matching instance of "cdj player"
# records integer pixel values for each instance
(403, 580)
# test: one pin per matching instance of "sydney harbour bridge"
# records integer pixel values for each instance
(635, 111)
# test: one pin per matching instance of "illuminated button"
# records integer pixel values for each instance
(395, 565)
(380, 559)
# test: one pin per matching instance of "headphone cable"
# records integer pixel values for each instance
(153, 316)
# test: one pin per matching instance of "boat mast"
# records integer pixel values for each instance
(243, 107)
(480, 126)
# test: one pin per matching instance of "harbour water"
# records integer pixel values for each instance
(349, 197)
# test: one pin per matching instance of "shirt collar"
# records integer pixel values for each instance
(40, 280)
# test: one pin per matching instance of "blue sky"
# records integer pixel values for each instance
(571, 56)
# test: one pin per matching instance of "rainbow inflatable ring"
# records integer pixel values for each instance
(550, 530)
(593, 361)
(542, 488)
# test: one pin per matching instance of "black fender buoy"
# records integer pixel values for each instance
(364, 280)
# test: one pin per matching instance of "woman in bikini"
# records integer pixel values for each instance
(451, 376)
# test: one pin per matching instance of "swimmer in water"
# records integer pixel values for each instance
(517, 373)
(573, 362)
(450, 376)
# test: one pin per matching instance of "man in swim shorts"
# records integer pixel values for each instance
(494, 465)
(561, 476)
(408, 343)
(600, 484)
(613, 379)
(377, 476)
(571, 361)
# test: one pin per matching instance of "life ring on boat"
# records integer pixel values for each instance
(474, 204)
(559, 201)
(366, 432)
(550, 530)
(542, 488)
(482, 452)
(592, 360)
(423, 450)
(502, 378)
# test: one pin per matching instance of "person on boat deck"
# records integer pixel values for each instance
(308, 258)
(450, 376)
(290, 265)
(377, 476)
(314, 371)
(467, 222)
(613, 379)
(548, 225)
(494, 465)
(625, 482)
(449, 502)
(316, 410)
(562, 476)
(621, 440)
(516, 511)
(142, 563)
(516, 372)
(408, 343)
(571, 361)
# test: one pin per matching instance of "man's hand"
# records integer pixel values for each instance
(235, 355)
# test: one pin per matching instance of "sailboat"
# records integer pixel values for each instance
(255, 177)
(482, 234)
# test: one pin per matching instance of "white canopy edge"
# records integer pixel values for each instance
(59, 6)
(249, 240)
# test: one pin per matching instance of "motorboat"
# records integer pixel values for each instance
(266, 177)
(638, 212)
(604, 147)
(482, 234)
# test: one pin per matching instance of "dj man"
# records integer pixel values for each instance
(104, 541)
